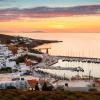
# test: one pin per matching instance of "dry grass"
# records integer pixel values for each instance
(48, 95)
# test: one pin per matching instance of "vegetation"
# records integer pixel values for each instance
(36, 87)
(5, 70)
(35, 51)
(11, 87)
(13, 94)
(23, 58)
(47, 87)
(6, 39)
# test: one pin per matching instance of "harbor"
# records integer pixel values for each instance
(37, 65)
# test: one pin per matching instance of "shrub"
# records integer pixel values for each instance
(36, 87)
(41, 98)
(50, 88)
(44, 87)
(10, 87)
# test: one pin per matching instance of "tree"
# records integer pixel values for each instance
(44, 87)
(10, 87)
(50, 88)
(6, 70)
(37, 87)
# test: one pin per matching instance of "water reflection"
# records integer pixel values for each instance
(93, 67)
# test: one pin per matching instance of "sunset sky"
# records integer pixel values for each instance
(47, 16)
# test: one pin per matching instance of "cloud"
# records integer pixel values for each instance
(5, 31)
(35, 31)
(46, 12)
(39, 31)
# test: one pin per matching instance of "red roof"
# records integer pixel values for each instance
(32, 82)
(97, 81)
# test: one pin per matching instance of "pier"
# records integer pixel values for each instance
(79, 59)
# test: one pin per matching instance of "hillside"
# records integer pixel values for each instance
(47, 95)
(22, 41)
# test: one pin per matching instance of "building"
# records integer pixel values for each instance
(5, 54)
(12, 80)
(31, 84)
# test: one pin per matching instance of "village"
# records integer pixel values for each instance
(18, 66)
(22, 68)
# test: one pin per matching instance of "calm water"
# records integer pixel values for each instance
(94, 68)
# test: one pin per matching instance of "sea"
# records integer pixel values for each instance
(90, 69)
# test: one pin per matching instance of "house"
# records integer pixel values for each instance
(23, 66)
(12, 79)
(11, 64)
(21, 51)
(5, 55)
(17, 82)
(31, 84)
(97, 82)
(23, 69)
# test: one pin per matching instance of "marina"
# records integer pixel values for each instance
(63, 71)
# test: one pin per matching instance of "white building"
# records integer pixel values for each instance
(4, 51)
(21, 51)
(23, 68)
(19, 84)
(5, 54)
(11, 64)
(12, 79)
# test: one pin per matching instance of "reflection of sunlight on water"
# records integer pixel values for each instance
(94, 68)
(57, 49)
(76, 47)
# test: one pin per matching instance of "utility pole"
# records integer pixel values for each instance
(89, 75)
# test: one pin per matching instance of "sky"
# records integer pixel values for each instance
(50, 16)
(50, 3)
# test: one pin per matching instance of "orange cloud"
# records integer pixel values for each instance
(85, 23)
